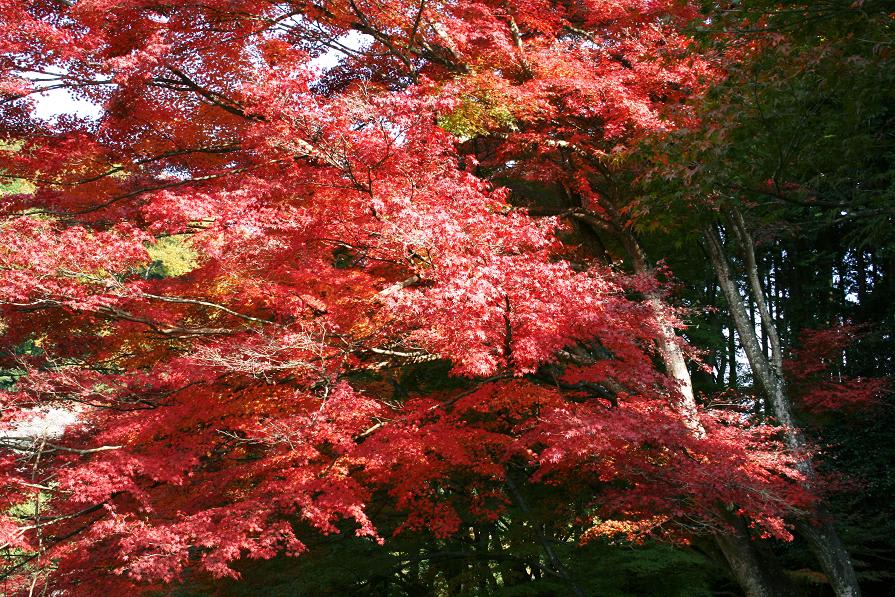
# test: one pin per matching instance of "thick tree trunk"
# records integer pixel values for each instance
(768, 373)
(751, 570)
(831, 553)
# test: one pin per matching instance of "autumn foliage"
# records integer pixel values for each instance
(344, 228)
(815, 370)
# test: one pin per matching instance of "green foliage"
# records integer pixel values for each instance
(171, 256)
(29, 508)
(411, 566)
(477, 116)
(14, 187)
(801, 138)
(660, 570)
(803, 128)
(8, 377)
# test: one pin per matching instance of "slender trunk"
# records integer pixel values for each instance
(669, 348)
(768, 374)
(861, 276)
(722, 360)
(676, 366)
(740, 552)
(827, 547)
(738, 548)
(732, 355)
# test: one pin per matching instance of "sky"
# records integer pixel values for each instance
(56, 102)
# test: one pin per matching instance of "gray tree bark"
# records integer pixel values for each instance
(746, 564)
(754, 574)
(822, 538)
(743, 558)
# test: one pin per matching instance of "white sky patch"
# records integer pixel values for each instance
(51, 104)
(57, 101)
(353, 41)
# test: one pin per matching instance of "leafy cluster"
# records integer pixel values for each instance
(398, 311)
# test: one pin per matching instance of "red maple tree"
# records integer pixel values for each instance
(338, 235)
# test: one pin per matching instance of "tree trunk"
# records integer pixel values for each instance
(752, 572)
(738, 548)
(746, 563)
(826, 546)
(768, 373)
(722, 359)
(732, 356)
